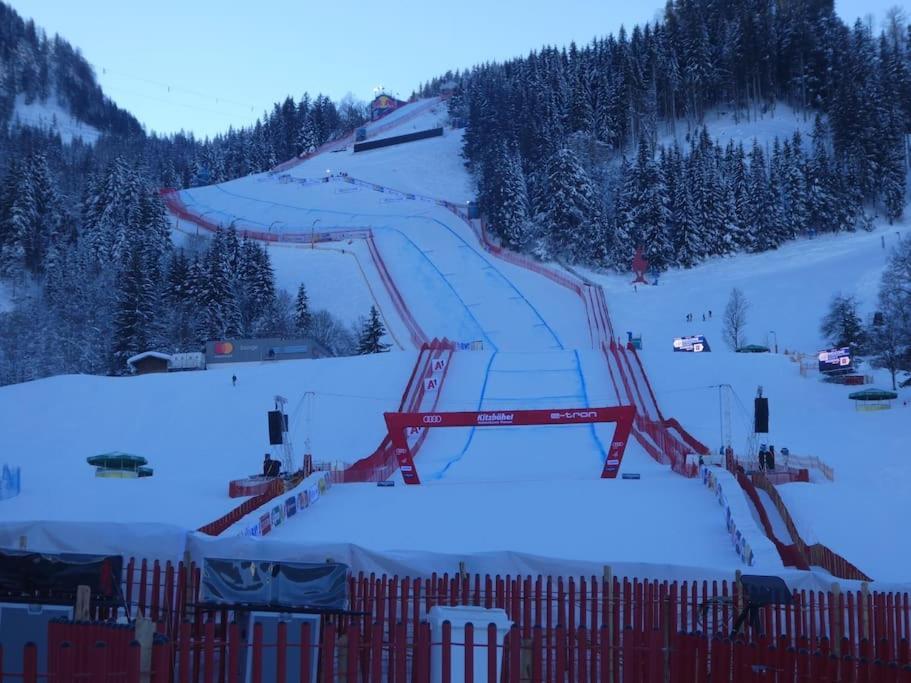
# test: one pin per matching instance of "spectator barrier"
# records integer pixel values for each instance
(587, 628)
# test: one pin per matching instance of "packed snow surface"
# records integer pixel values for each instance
(52, 116)
(861, 513)
(526, 490)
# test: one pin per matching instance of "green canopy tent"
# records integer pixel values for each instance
(119, 465)
(873, 399)
(753, 348)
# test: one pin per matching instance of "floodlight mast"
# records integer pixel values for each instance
(287, 449)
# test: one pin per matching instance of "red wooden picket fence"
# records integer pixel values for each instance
(359, 650)
(168, 594)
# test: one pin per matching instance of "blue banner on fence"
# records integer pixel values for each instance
(10, 482)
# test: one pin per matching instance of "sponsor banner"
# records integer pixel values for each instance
(692, 344)
(281, 512)
(431, 383)
(835, 360)
(10, 482)
(495, 418)
(574, 415)
(741, 546)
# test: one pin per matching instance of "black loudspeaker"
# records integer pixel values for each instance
(276, 427)
(761, 415)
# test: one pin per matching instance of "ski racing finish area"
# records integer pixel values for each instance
(474, 331)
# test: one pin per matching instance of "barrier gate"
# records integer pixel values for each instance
(623, 416)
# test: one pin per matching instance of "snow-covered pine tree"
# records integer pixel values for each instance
(759, 215)
(302, 315)
(506, 196)
(820, 199)
(370, 339)
(48, 213)
(795, 187)
(306, 139)
(889, 342)
(135, 312)
(18, 217)
(688, 236)
(842, 325)
(572, 212)
(650, 213)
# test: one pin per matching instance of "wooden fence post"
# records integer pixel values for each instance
(143, 633)
(83, 603)
(666, 638)
(608, 619)
(864, 610)
(837, 618)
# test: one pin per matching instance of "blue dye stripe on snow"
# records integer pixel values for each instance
(585, 395)
(442, 472)
(446, 280)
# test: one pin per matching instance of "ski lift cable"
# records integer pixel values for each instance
(171, 88)
(152, 98)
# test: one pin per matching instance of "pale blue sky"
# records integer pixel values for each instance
(202, 65)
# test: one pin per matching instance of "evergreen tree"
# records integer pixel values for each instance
(306, 139)
(370, 339)
(506, 197)
(302, 316)
(842, 325)
(571, 212)
(650, 213)
(134, 317)
(890, 341)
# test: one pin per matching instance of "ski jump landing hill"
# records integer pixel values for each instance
(542, 339)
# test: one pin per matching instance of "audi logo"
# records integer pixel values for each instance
(432, 419)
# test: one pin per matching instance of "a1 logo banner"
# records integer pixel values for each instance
(431, 383)
(438, 365)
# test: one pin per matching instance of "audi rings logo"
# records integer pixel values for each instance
(432, 419)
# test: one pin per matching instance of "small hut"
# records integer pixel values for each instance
(148, 362)
(873, 399)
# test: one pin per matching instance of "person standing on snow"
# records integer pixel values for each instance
(233, 380)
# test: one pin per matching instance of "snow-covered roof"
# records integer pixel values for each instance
(132, 360)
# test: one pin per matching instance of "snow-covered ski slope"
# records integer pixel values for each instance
(537, 353)
(197, 431)
(532, 491)
(861, 514)
(433, 167)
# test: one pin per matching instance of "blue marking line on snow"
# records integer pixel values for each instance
(585, 395)
(448, 283)
(417, 216)
(492, 267)
(557, 397)
(536, 372)
(442, 472)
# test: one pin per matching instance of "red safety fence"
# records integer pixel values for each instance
(382, 463)
(577, 629)
(275, 488)
(414, 329)
(815, 554)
